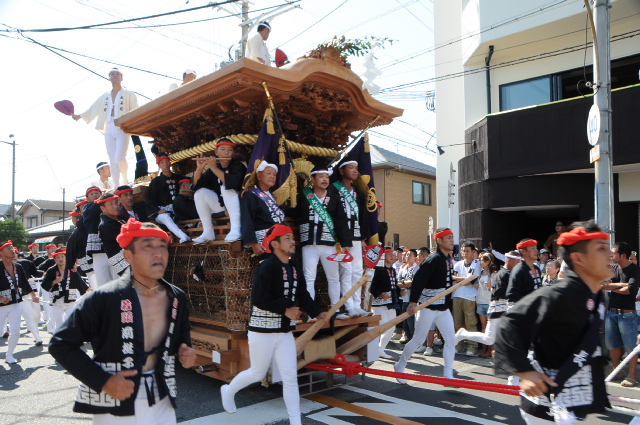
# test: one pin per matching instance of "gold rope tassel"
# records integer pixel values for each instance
(268, 118)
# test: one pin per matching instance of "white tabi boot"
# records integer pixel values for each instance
(232, 204)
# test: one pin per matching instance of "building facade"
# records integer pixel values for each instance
(37, 212)
(512, 96)
(407, 190)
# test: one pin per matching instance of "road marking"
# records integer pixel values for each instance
(361, 411)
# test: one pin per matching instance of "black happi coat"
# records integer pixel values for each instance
(433, 277)
(184, 208)
(498, 304)
(309, 230)
(233, 177)
(553, 322)
(254, 217)
(39, 260)
(111, 319)
(29, 269)
(385, 280)
(70, 281)
(358, 224)
(91, 216)
(46, 265)
(109, 230)
(20, 288)
(139, 212)
(522, 282)
(77, 243)
(162, 191)
(276, 288)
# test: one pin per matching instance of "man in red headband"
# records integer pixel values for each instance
(13, 285)
(162, 191)
(77, 248)
(129, 209)
(33, 251)
(218, 189)
(526, 276)
(138, 326)
(550, 338)
(434, 276)
(109, 228)
(278, 289)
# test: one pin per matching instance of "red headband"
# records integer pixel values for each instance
(75, 214)
(225, 142)
(120, 192)
(525, 244)
(15, 249)
(442, 234)
(102, 201)
(63, 252)
(133, 229)
(91, 189)
(8, 243)
(278, 230)
(81, 203)
(51, 246)
(580, 234)
(184, 181)
(33, 244)
(160, 158)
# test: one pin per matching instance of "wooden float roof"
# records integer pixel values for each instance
(319, 102)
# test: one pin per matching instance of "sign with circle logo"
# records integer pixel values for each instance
(593, 125)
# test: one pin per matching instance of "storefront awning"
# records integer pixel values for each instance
(45, 240)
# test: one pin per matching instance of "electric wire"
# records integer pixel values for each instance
(315, 23)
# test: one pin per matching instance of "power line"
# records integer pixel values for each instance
(123, 21)
(315, 23)
(514, 62)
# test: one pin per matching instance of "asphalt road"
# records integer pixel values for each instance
(38, 391)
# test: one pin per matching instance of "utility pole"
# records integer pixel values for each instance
(13, 177)
(603, 165)
(245, 26)
(64, 213)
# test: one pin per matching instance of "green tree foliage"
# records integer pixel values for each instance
(14, 230)
(357, 46)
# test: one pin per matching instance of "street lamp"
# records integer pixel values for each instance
(13, 178)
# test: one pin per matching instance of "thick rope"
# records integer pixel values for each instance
(623, 363)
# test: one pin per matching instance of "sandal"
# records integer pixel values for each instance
(628, 382)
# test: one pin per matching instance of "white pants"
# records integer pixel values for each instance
(486, 338)
(93, 282)
(117, 144)
(103, 270)
(169, 223)
(424, 319)
(161, 413)
(350, 274)
(11, 314)
(207, 203)
(386, 315)
(533, 420)
(59, 313)
(46, 297)
(281, 348)
(31, 314)
(311, 254)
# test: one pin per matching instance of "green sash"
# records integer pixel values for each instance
(347, 195)
(321, 210)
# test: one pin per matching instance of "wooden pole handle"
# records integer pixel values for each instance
(368, 336)
(303, 340)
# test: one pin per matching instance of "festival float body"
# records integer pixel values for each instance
(319, 102)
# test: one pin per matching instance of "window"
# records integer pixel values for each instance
(32, 222)
(396, 240)
(421, 193)
(526, 93)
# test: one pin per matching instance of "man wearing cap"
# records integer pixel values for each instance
(187, 76)
(256, 48)
(550, 338)
(104, 171)
(543, 259)
(279, 293)
(109, 229)
(259, 209)
(138, 327)
(434, 276)
(13, 286)
(386, 293)
(551, 244)
(129, 209)
(107, 108)
(525, 277)
(162, 191)
(323, 225)
(183, 205)
(355, 206)
(218, 188)
(64, 285)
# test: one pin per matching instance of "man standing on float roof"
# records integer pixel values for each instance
(107, 108)
(256, 48)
